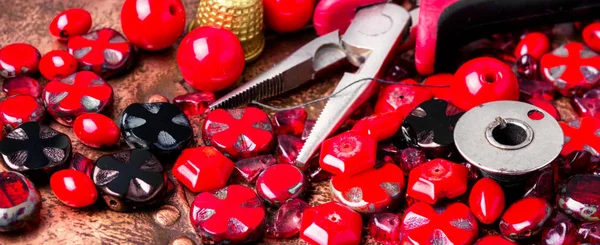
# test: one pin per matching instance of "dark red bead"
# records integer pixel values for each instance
(486, 200)
(525, 218)
(589, 232)
(73, 188)
(19, 59)
(105, 52)
(535, 44)
(579, 197)
(527, 68)
(378, 126)
(581, 134)
(286, 223)
(577, 162)
(154, 24)
(203, 169)
(290, 121)
(536, 89)
(20, 201)
(437, 179)
(308, 125)
(591, 36)
(442, 79)
(19, 109)
(70, 23)
(387, 153)
(288, 147)
(411, 158)
(57, 64)
(588, 104)
(280, 183)
(384, 228)
(559, 230)
(82, 164)
(541, 184)
(401, 98)
(96, 130)
(194, 103)
(250, 168)
(571, 67)
(230, 215)
(348, 154)
(22, 85)
(494, 240)
(70, 97)
(287, 15)
(316, 173)
(400, 69)
(332, 224)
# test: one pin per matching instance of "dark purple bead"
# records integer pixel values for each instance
(290, 121)
(288, 147)
(589, 232)
(384, 228)
(411, 158)
(316, 173)
(400, 69)
(559, 230)
(541, 184)
(577, 162)
(82, 164)
(286, 223)
(588, 104)
(527, 67)
(250, 168)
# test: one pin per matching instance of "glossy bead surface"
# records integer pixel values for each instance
(577, 162)
(231, 215)
(579, 197)
(442, 79)
(76, 94)
(154, 24)
(525, 218)
(483, 80)
(73, 188)
(287, 220)
(331, 224)
(400, 69)
(202, 169)
(57, 64)
(96, 130)
(401, 98)
(411, 158)
(194, 103)
(437, 179)
(486, 200)
(371, 191)
(348, 154)
(82, 164)
(589, 232)
(535, 44)
(22, 85)
(288, 147)
(19, 109)
(285, 16)
(20, 201)
(384, 228)
(19, 59)
(581, 134)
(494, 240)
(588, 104)
(250, 168)
(239, 133)
(70, 23)
(290, 121)
(536, 89)
(591, 36)
(378, 126)
(308, 125)
(559, 230)
(105, 52)
(527, 68)
(571, 67)
(541, 184)
(280, 183)
(210, 59)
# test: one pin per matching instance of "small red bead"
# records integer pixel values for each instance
(210, 58)
(22, 85)
(287, 220)
(535, 44)
(487, 200)
(287, 15)
(591, 36)
(194, 103)
(57, 64)
(348, 154)
(494, 240)
(96, 130)
(288, 147)
(581, 134)
(70, 23)
(442, 79)
(19, 59)
(73, 188)
(525, 218)
(280, 183)
(378, 126)
(483, 80)
(250, 168)
(571, 67)
(203, 169)
(384, 228)
(152, 24)
(19, 109)
(290, 121)
(401, 98)
(437, 179)
(331, 224)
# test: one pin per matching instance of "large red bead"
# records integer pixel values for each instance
(483, 80)
(486, 200)
(76, 94)
(571, 67)
(22, 85)
(591, 36)
(384, 228)
(239, 133)
(153, 24)
(331, 224)
(19, 59)
(202, 169)
(96, 130)
(287, 15)
(19, 109)
(442, 83)
(280, 183)
(535, 44)
(525, 218)
(378, 126)
(581, 134)
(348, 154)
(70, 23)
(20, 201)
(290, 121)
(579, 197)
(437, 179)
(401, 98)
(494, 240)
(210, 58)
(372, 191)
(73, 188)
(57, 64)
(194, 103)
(451, 224)
(230, 215)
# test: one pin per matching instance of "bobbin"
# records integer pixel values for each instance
(507, 140)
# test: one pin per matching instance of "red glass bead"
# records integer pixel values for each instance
(202, 169)
(331, 224)
(442, 79)
(194, 103)
(348, 153)
(82, 164)
(473, 172)
(527, 68)
(387, 153)
(76, 94)
(535, 44)
(280, 183)
(437, 179)
(19, 59)
(559, 230)
(581, 134)
(483, 80)
(577, 162)
(451, 224)
(19, 109)
(588, 104)
(105, 52)
(384, 228)
(401, 98)
(571, 67)
(96, 130)
(288, 148)
(250, 168)
(290, 121)
(589, 232)
(591, 36)
(57, 64)
(494, 240)
(411, 158)
(287, 15)
(372, 191)
(525, 218)
(378, 126)
(308, 125)
(70, 23)
(316, 173)
(20, 201)
(486, 200)
(579, 197)
(287, 220)
(210, 58)
(239, 133)
(73, 188)
(154, 24)
(547, 106)
(536, 89)
(230, 215)
(22, 85)
(541, 184)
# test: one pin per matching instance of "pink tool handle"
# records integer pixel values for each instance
(331, 15)
(430, 11)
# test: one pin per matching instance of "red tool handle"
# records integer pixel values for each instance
(331, 15)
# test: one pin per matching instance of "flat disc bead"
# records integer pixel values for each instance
(20, 201)
(19, 109)
(19, 59)
(280, 183)
(73, 188)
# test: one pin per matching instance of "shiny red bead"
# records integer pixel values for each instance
(591, 36)
(230, 215)
(581, 134)
(57, 64)
(290, 121)
(194, 103)
(19, 59)
(20, 201)
(541, 184)
(331, 224)
(73, 188)
(571, 67)
(483, 80)
(210, 58)
(579, 197)
(153, 24)
(280, 183)
(202, 169)
(19, 109)
(76, 94)
(372, 191)
(287, 15)
(378, 126)
(437, 179)
(559, 230)
(70, 23)
(239, 133)
(105, 52)
(401, 98)
(250, 168)
(442, 79)
(486, 200)
(494, 240)
(287, 220)
(288, 147)
(96, 130)
(535, 44)
(348, 154)
(22, 85)
(451, 224)
(384, 228)
(525, 218)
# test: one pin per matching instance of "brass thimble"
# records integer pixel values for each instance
(243, 17)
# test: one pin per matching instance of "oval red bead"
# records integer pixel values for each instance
(591, 36)
(287, 15)
(331, 224)
(437, 179)
(19, 59)
(57, 64)
(153, 24)
(378, 126)
(22, 85)
(96, 130)
(70, 23)
(525, 218)
(19, 109)
(73, 188)
(280, 183)
(486, 200)
(535, 44)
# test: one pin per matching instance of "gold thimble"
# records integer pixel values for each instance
(243, 17)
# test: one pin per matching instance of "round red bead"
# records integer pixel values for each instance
(19, 109)
(19, 59)
(287, 15)
(57, 64)
(487, 200)
(210, 59)
(331, 223)
(591, 36)
(73, 188)
(153, 24)
(535, 44)
(525, 218)
(70, 23)
(280, 183)
(22, 85)
(96, 130)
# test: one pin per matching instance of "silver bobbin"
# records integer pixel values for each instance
(505, 141)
